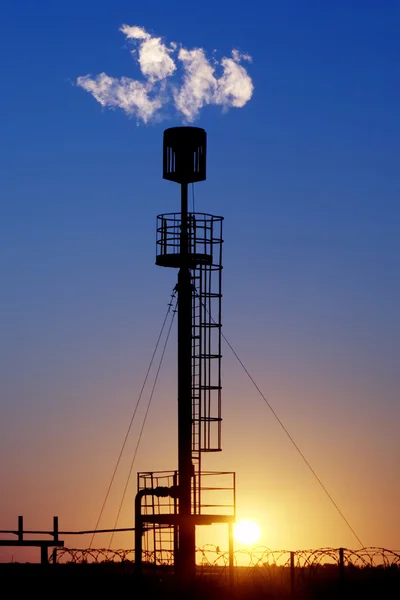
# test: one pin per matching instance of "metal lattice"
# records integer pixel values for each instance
(158, 537)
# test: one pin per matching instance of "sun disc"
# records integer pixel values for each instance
(247, 532)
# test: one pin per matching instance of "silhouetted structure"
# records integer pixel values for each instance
(169, 505)
(44, 545)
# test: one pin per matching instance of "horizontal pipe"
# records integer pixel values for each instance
(70, 532)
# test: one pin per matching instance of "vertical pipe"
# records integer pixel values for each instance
(55, 529)
(20, 529)
(231, 564)
(176, 528)
(44, 555)
(234, 495)
(186, 555)
(154, 528)
(219, 333)
(139, 531)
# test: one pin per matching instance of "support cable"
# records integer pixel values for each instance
(290, 437)
(295, 445)
(144, 421)
(133, 416)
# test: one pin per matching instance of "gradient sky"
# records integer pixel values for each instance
(306, 174)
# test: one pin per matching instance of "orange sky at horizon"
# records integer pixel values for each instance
(66, 474)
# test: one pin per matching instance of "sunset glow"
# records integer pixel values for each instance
(247, 532)
(294, 399)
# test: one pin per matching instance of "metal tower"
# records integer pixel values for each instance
(192, 243)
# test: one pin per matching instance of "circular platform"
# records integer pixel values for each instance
(174, 260)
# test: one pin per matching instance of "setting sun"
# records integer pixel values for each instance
(247, 532)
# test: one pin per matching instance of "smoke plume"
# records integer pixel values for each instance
(172, 76)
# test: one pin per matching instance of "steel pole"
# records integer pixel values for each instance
(186, 554)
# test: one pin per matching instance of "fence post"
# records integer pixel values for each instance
(341, 566)
(292, 575)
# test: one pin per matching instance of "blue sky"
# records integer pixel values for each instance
(306, 176)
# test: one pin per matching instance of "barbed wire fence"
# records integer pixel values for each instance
(278, 571)
(260, 560)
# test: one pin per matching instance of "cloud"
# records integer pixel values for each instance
(199, 84)
(154, 56)
(238, 56)
(134, 32)
(235, 87)
(130, 95)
